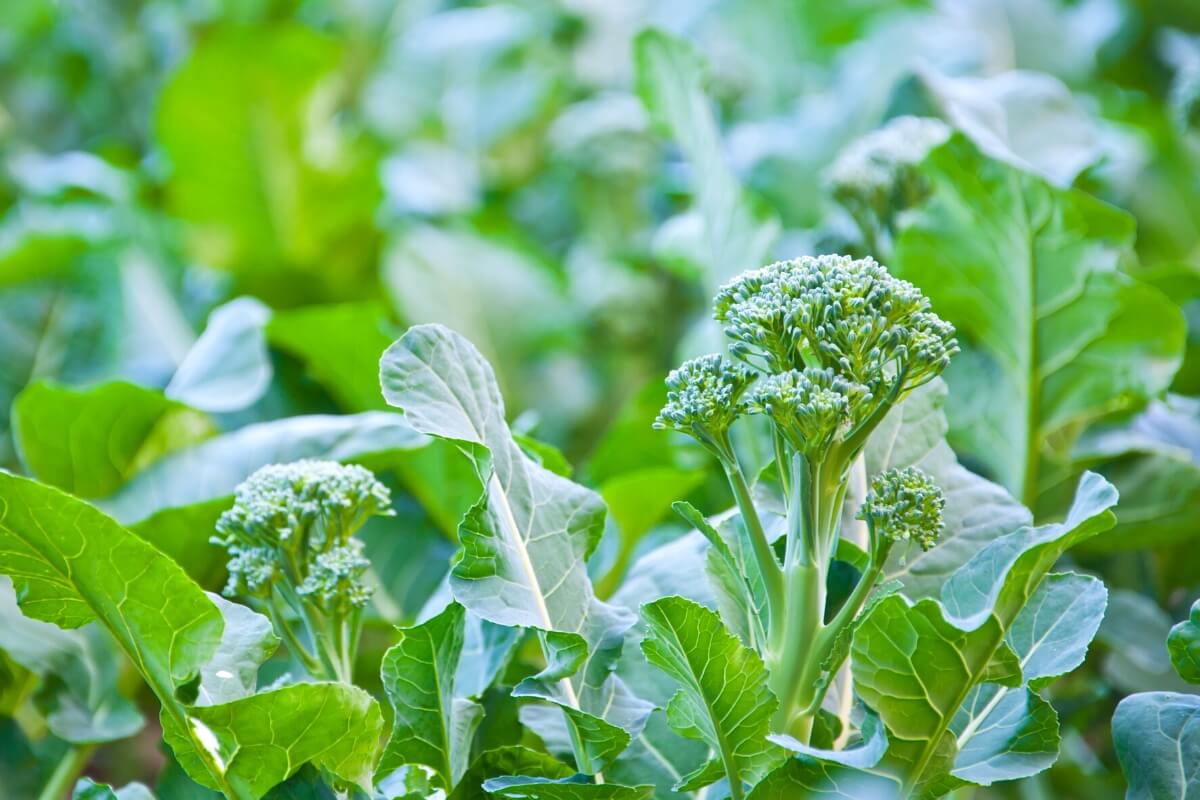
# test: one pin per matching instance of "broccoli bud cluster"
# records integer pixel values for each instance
(295, 523)
(904, 505)
(809, 406)
(704, 398)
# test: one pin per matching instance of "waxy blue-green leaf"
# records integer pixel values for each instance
(1054, 334)
(723, 700)
(525, 542)
(899, 649)
(90, 441)
(823, 780)
(247, 640)
(864, 755)
(670, 82)
(88, 789)
(78, 670)
(1157, 736)
(502, 761)
(432, 725)
(228, 368)
(1183, 642)
(549, 789)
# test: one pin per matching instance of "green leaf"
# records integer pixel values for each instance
(247, 640)
(724, 700)
(228, 368)
(87, 789)
(823, 780)
(670, 82)
(1134, 630)
(340, 347)
(260, 740)
(1183, 642)
(71, 564)
(1157, 736)
(78, 670)
(547, 789)
(240, 122)
(432, 725)
(1054, 335)
(864, 755)
(899, 649)
(506, 761)
(658, 756)
(90, 441)
(525, 542)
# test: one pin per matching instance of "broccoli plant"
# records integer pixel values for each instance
(826, 347)
(292, 554)
(946, 688)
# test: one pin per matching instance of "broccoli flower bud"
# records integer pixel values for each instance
(847, 315)
(704, 398)
(809, 407)
(294, 523)
(903, 505)
(876, 176)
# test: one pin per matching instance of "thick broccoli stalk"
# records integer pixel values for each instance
(827, 347)
(292, 552)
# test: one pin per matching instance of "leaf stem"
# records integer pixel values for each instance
(764, 556)
(68, 770)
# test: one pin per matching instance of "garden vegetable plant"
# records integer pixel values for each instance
(451, 401)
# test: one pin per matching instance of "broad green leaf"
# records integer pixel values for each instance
(340, 347)
(503, 761)
(525, 542)
(1157, 736)
(660, 757)
(269, 185)
(175, 502)
(88, 789)
(247, 640)
(78, 670)
(1134, 630)
(723, 701)
(977, 510)
(670, 82)
(90, 441)
(71, 564)
(432, 726)
(228, 368)
(864, 755)
(261, 740)
(1154, 461)
(823, 780)
(547, 789)
(1183, 642)
(1054, 335)
(899, 649)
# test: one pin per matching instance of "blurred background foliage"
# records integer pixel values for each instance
(567, 190)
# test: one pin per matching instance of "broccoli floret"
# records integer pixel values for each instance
(290, 541)
(704, 399)
(904, 505)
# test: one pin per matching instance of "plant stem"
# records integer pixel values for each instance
(70, 766)
(764, 556)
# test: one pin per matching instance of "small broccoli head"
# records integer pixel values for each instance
(294, 522)
(704, 398)
(846, 315)
(809, 407)
(876, 176)
(903, 505)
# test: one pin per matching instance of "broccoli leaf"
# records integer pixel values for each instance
(899, 648)
(1157, 736)
(724, 700)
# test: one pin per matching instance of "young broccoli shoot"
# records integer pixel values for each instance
(904, 505)
(291, 545)
(824, 348)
